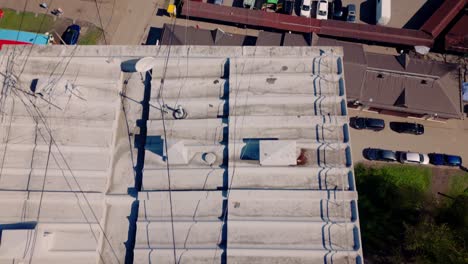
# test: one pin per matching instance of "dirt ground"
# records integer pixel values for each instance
(441, 179)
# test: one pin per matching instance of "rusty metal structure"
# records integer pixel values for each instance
(442, 17)
(457, 38)
(395, 36)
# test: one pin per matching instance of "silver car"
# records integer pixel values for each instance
(413, 157)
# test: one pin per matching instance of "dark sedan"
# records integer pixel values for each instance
(71, 35)
(445, 160)
(367, 123)
(409, 128)
(379, 154)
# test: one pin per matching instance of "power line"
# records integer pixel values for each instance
(161, 105)
(28, 109)
(100, 21)
(32, 46)
(40, 199)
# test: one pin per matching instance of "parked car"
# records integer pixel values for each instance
(322, 10)
(413, 157)
(444, 159)
(367, 123)
(250, 4)
(351, 16)
(383, 12)
(71, 35)
(337, 9)
(305, 8)
(409, 128)
(379, 154)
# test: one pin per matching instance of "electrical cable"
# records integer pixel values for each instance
(100, 22)
(28, 109)
(33, 247)
(162, 106)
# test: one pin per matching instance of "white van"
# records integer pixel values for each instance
(383, 12)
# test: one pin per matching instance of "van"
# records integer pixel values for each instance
(383, 12)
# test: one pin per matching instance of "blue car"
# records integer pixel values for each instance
(445, 160)
(71, 35)
(351, 17)
(379, 154)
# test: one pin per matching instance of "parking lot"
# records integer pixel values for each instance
(449, 138)
(408, 14)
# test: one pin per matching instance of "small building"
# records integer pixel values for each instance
(400, 85)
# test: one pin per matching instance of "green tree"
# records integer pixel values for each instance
(430, 243)
(389, 198)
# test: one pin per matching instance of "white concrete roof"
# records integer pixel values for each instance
(259, 168)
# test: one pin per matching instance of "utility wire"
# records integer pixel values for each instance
(40, 200)
(49, 131)
(100, 21)
(28, 109)
(161, 105)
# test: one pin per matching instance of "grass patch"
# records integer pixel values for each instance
(401, 176)
(91, 37)
(458, 184)
(26, 21)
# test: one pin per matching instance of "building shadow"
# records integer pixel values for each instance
(423, 14)
(367, 11)
(154, 35)
(238, 3)
(131, 235)
(297, 7)
(249, 41)
(161, 12)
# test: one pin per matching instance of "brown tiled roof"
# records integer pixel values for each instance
(400, 83)
(266, 38)
(296, 40)
(422, 87)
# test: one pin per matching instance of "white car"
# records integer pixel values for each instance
(305, 8)
(412, 157)
(322, 10)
